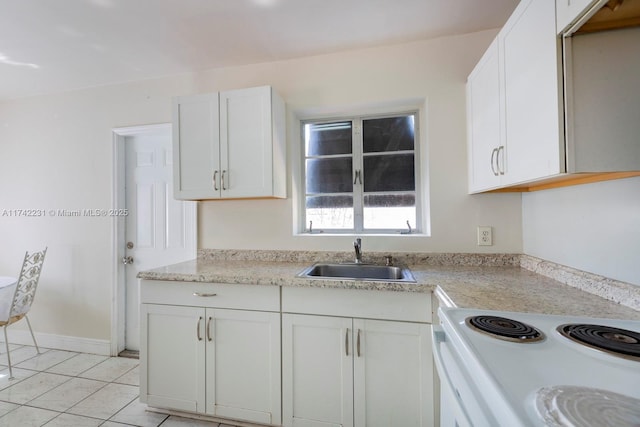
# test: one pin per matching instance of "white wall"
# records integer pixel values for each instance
(592, 227)
(56, 153)
(434, 71)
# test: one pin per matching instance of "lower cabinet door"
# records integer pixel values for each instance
(393, 374)
(243, 365)
(172, 363)
(317, 377)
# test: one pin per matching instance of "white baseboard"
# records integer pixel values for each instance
(60, 342)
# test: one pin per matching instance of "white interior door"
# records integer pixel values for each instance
(159, 229)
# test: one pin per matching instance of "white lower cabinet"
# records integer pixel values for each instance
(172, 357)
(243, 365)
(303, 357)
(340, 371)
(211, 361)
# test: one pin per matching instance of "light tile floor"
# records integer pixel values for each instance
(67, 389)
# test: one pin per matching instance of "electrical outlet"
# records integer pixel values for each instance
(485, 237)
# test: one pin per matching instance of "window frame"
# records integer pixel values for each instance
(358, 157)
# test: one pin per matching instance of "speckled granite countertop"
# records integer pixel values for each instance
(491, 282)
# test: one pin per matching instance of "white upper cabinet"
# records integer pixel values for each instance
(569, 11)
(196, 147)
(485, 131)
(513, 102)
(532, 92)
(230, 145)
(545, 110)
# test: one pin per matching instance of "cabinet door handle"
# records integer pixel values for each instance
(346, 343)
(215, 180)
(198, 328)
(224, 187)
(358, 343)
(209, 329)
(494, 154)
(200, 294)
(500, 169)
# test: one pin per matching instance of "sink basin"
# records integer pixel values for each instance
(354, 271)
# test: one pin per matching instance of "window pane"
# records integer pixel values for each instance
(329, 175)
(394, 172)
(388, 134)
(390, 211)
(328, 138)
(332, 212)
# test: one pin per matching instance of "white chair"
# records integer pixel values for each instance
(14, 309)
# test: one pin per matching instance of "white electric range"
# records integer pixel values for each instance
(540, 370)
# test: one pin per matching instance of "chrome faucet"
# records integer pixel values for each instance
(357, 245)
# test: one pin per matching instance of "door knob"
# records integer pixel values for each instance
(127, 260)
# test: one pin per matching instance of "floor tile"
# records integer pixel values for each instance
(26, 416)
(136, 413)
(68, 394)
(6, 407)
(110, 369)
(77, 364)
(107, 401)
(19, 355)
(131, 378)
(67, 389)
(174, 421)
(44, 361)
(32, 387)
(114, 424)
(11, 347)
(18, 375)
(69, 420)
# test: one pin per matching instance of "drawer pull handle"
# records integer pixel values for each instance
(346, 342)
(358, 343)
(200, 294)
(198, 328)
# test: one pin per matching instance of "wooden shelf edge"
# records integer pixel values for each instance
(565, 180)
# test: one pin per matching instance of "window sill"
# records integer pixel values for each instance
(316, 234)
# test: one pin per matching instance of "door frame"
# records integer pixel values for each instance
(118, 227)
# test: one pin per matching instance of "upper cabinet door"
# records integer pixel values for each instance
(246, 142)
(230, 145)
(484, 123)
(568, 11)
(532, 92)
(196, 147)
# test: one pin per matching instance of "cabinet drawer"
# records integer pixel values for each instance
(405, 306)
(217, 295)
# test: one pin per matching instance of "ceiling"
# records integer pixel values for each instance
(50, 46)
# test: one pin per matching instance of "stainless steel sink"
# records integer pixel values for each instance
(349, 271)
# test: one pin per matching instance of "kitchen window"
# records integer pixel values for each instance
(360, 175)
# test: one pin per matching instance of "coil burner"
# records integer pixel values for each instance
(504, 329)
(615, 341)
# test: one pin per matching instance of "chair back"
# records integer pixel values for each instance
(27, 283)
